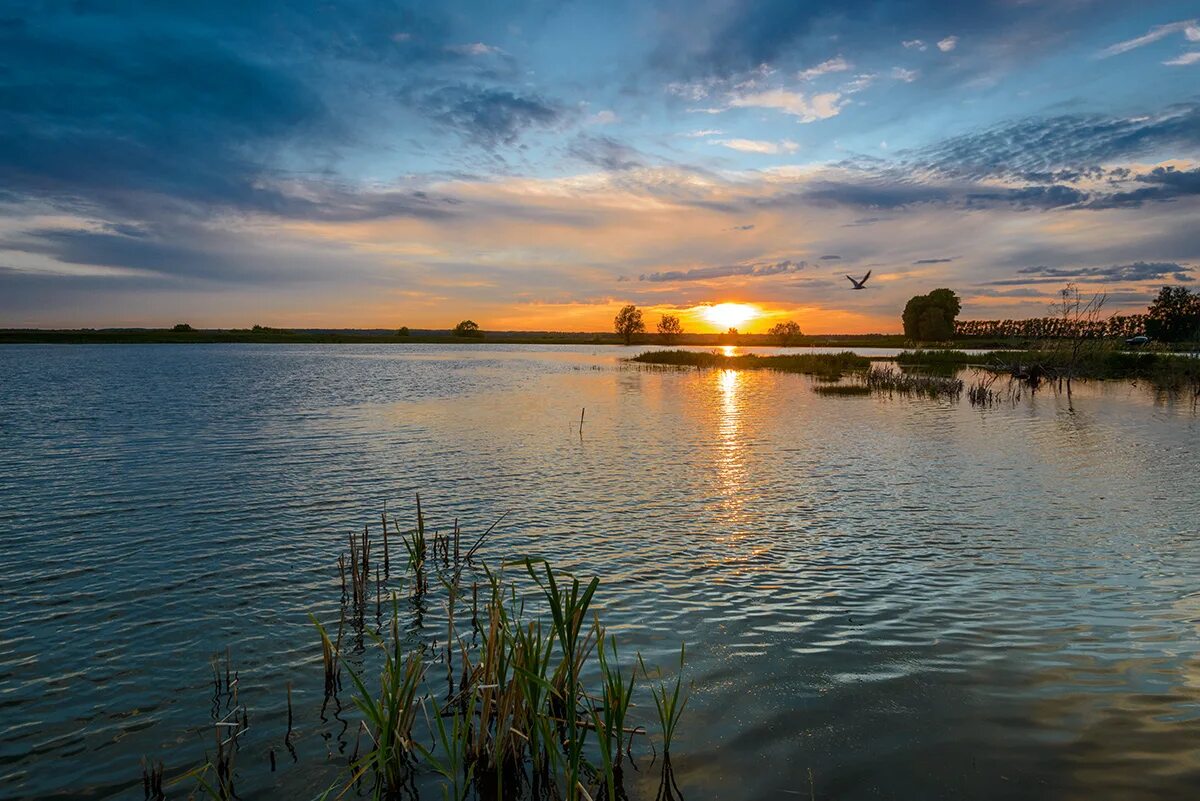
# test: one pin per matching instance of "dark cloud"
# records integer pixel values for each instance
(145, 110)
(1063, 147)
(830, 257)
(934, 261)
(1166, 183)
(489, 116)
(704, 273)
(1029, 197)
(1137, 271)
(605, 152)
(870, 193)
(743, 228)
(186, 257)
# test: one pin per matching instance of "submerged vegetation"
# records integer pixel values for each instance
(525, 697)
(816, 364)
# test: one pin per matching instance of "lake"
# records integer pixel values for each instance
(881, 597)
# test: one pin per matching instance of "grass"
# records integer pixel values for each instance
(828, 365)
(893, 381)
(842, 390)
(1165, 371)
(531, 700)
(934, 358)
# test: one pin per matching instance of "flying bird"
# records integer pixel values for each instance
(860, 284)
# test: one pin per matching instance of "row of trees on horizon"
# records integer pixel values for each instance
(1173, 316)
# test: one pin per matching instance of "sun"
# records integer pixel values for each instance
(730, 315)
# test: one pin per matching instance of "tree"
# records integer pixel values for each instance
(403, 332)
(787, 332)
(1078, 324)
(181, 327)
(669, 328)
(1175, 315)
(467, 328)
(930, 318)
(629, 322)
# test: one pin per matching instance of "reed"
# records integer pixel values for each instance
(819, 364)
(536, 703)
(389, 715)
(935, 358)
(842, 390)
(667, 700)
(330, 656)
(614, 740)
(893, 381)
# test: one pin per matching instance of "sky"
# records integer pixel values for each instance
(536, 165)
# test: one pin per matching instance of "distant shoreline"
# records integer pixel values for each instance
(275, 336)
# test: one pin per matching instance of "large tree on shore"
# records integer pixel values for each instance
(930, 318)
(467, 328)
(629, 322)
(1175, 315)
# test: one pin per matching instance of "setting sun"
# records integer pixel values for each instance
(730, 315)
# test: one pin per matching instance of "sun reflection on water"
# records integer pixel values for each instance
(731, 464)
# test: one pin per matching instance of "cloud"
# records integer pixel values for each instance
(1042, 197)
(603, 117)
(606, 152)
(914, 44)
(906, 75)
(1165, 184)
(475, 49)
(747, 227)
(831, 257)
(706, 273)
(948, 44)
(1137, 271)
(1035, 147)
(758, 146)
(1184, 59)
(1187, 27)
(704, 132)
(868, 193)
(934, 261)
(838, 64)
(808, 108)
(488, 116)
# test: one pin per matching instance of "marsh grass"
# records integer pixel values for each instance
(831, 365)
(1169, 372)
(530, 700)
(533, 698)
(842, 390)
(934, 358)
(892, 381)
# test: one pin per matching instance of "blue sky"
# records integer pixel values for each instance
(537, 165)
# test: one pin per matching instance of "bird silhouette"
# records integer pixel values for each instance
(860, 284)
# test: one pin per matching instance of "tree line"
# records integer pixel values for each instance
(629, 322)
(1174, 316)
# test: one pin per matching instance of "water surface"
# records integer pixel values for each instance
(899, 598)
